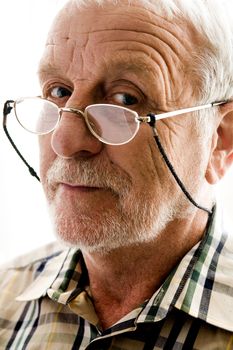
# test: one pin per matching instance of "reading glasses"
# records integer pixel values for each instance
(110, 124)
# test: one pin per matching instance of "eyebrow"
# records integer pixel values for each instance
(48, 69)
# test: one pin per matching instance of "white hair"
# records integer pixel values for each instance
(212, 65)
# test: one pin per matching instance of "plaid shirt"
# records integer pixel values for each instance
(45, 303)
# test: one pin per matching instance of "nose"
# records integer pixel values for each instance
(72, 138)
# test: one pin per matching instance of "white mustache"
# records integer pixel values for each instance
(89, 172)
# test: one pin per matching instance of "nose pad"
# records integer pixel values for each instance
(72, 136)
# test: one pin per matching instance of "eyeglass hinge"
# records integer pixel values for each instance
(218, 103)
(152, 119)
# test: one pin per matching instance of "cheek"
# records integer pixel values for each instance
(47, 156)
(138, 158)
(178, 141)
(188, 151)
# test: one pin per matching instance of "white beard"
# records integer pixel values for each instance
(137, 216)
(111, 229)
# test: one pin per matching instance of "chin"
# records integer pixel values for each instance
(109, 230)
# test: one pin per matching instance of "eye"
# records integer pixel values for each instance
(59, 92)
(124, 99)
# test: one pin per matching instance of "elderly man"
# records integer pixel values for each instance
(135, 125)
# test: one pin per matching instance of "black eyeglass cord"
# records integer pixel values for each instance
(7, 109)
(31, 170)
(152, 123)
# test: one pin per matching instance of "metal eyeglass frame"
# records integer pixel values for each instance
(150, 118)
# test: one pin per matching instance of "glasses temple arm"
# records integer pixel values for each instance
(189, 109)
(6, 110)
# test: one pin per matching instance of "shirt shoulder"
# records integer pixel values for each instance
(16, 275)
(33, 257)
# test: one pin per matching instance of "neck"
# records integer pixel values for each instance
(124, 278)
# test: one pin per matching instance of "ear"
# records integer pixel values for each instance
(221, 156)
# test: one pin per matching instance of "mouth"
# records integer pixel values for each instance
(79, 187)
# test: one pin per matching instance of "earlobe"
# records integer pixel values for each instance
(222, 147)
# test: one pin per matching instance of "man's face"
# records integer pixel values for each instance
(103, 196)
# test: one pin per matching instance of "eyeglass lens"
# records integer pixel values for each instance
(111, 124)
(36, 115)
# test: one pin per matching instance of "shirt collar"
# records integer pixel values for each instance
(53, 271)
(201, 285)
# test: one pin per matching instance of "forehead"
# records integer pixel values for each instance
(98, 24)
(73, 21)
(118, 37)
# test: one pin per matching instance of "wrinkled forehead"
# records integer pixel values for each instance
(124, 15)
(74, 19)
(131, 30)
(120, 21)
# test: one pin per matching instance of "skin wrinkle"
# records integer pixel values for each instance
(72, 53)
(169, 131)
(168, 78)
(165, 81)
(169, 67)
(172, 48)
(167, 135)
(136, 11)
(159, 30)
(164, 28)
(137, 69)
(158, 171)
(156, 29)
(170, 100)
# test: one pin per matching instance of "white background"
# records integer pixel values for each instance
(24, 223)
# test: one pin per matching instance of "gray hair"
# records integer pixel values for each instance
(212, 65)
